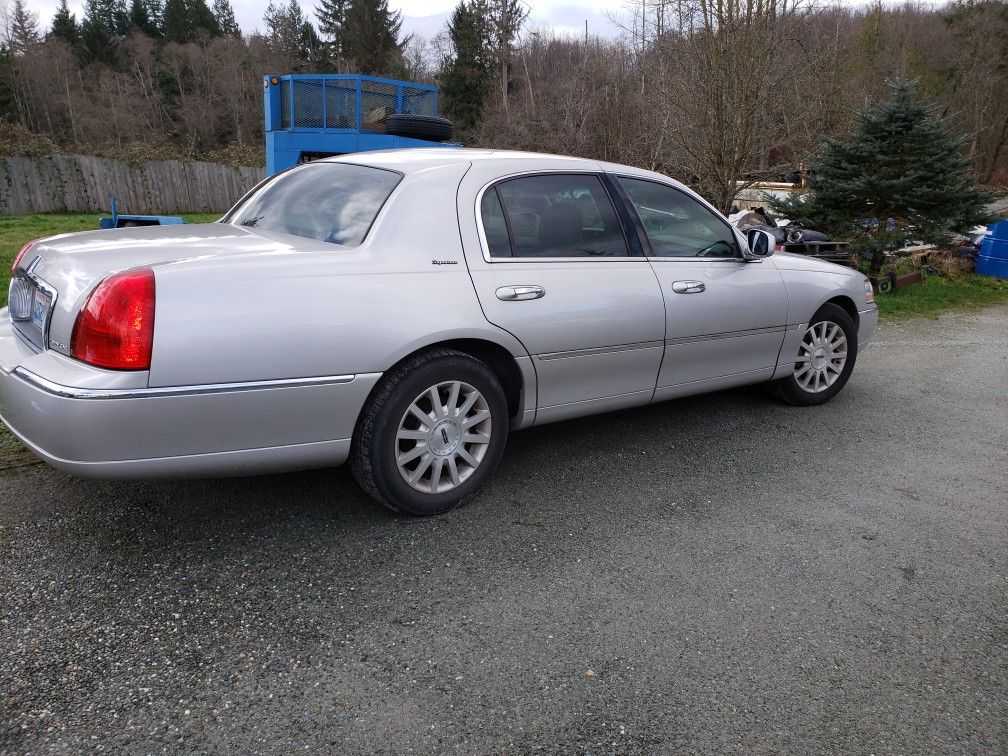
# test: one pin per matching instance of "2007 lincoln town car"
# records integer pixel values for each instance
(406, 310)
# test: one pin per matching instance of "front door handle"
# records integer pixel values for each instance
(520, 293)
(688, 287)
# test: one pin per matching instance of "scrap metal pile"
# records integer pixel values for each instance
(793, 237)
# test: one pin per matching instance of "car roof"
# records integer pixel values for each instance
(424, 158)
(417, 159)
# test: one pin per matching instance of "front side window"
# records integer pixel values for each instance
(676, 224)
(328, 202)
(553, 215)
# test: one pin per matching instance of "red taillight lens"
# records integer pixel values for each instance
(116, 327)
(20, 255)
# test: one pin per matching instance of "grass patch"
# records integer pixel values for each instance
(18, 230)
(937, 294)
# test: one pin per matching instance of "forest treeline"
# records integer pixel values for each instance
(708, 91)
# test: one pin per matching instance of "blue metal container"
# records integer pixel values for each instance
(314, 115)
(993, 257)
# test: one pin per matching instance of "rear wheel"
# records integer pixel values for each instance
(432, 433)
(824, 361)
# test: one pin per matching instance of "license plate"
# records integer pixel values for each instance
(40, 309)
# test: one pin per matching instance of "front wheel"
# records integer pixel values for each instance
(432, 433)
(824, 361)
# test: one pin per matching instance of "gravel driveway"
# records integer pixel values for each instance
(713, 574)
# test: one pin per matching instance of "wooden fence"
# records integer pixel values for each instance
(84, 183)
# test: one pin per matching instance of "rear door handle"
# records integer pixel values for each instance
(688, 287)
(520, 293)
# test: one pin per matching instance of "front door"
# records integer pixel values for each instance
(725, 316)
(554, 268)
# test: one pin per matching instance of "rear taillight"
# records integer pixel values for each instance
(115, 329)
(20, 255)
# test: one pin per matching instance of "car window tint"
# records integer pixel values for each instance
(494, 225)
(330, 202)
(561, 216)
(676, 224)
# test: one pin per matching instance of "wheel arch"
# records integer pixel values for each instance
(515, 373)
(847, 305)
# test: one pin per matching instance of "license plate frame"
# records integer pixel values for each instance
(40, 308)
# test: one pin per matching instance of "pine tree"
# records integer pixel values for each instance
(331, 15)
(140, 18)
(900, 163)
(155, 11)
(64, 26)
(224, 14)
(188, 21)
(24, 30)
(98, 39)
(176, 22)
(120, 18)
(311, 49)
(292, 35)
(468, 72)
(369, 36)
(204, 23)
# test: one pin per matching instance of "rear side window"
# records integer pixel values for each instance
(494, 225)
(553, 215)
(676, 224)
(329, 202)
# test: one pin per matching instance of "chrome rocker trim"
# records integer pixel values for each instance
(71, 392)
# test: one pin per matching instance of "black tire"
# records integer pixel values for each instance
(431, 128)
(790, 391)
(374, 447)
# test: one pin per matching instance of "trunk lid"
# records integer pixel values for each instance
(58, 272)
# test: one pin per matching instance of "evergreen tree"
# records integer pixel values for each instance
(188, 21)
(311, 48)
(175, 22)
(121, 18)
(369, 36)
(8, 75)
(224, 14)
(24, 30)
(331, 14)
(155, 11)
(466, 75)
(142, 19)
(98, 38)
(901, 163)
(292, 35)
(64, 26)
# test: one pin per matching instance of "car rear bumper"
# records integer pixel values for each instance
(112, 431)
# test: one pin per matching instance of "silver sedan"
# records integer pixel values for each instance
(406, 310)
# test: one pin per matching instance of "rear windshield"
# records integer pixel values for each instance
(330, 202)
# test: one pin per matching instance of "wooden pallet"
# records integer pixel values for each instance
(831, 251)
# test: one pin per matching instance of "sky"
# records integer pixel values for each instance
(423, 17)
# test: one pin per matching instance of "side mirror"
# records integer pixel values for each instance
(761, 244)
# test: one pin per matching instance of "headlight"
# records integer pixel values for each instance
(869, 292)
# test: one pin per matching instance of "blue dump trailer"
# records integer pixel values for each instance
(309, 116)
(993, 257)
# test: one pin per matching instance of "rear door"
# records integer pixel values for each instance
(552, 263)
(725, 316)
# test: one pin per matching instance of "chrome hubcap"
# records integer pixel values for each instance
(821, 356)
(443, 437)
